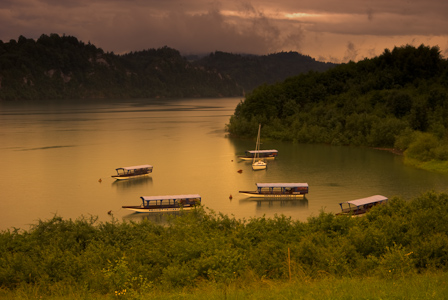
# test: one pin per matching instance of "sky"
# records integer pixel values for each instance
(335, 31)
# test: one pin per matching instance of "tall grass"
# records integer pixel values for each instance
(432, 285)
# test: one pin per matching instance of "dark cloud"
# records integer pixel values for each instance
(351, 53)
(324, 29)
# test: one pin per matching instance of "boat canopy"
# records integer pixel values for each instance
(170, 197)
(368, 200)
(261, 151)
(281, 185)
(135, 167)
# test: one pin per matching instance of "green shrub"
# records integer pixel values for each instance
(422, 148)
(127, 259)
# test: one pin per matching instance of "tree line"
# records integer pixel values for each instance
(396, 100)
(62, 67)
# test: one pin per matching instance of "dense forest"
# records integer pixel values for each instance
(396, 100)
(251, 71)
(134, 260)
(62, 67)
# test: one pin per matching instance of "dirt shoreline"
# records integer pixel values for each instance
(392, 150)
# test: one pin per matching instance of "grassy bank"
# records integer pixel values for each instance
(433, 285)
(438, 166)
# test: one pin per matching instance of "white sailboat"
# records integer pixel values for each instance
(257, 163)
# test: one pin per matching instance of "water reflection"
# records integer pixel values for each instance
(282, 203)
(161, 218)
(127, 184)
(277, 203)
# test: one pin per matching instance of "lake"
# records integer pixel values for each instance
(53, 156)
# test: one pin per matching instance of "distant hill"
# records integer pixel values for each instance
(251, 71)
(62, 67)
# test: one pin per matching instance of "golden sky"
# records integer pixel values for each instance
(327, 30)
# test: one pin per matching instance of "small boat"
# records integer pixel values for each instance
(278, 190)
(361, 206)
(151, 204)
(264, 154)
(133, 172)
(258, 163)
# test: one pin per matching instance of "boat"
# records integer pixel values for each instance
(264, 154)
(169, 203)
(278, 190)
(257, 162)
(133, 172)
(361, 206)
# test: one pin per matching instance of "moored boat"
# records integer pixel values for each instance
(133, 172)
(258, 163)
(361, 206)
(168, 203)
(278, 190)
(263, 154)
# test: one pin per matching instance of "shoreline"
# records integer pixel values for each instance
(391, 150)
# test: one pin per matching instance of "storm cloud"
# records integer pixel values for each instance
(336, 31)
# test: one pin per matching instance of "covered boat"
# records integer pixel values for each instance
(361, 206)
(167, 203)
(133, 172)
(279, 190)
(263, 154)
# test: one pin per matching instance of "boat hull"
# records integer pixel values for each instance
(272, 196)
(139, 209)
(352, 214)
(117, 177)
(259, 165)
(251, 158)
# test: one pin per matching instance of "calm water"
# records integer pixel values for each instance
(53, 156)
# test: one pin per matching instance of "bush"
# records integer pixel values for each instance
(422, 148)
(128, 259)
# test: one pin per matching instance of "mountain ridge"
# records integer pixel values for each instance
(63, 67)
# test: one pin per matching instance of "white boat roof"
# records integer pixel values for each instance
(136, 167)
(368, 200)
(170, 197)
(263, 151)
(288, 185)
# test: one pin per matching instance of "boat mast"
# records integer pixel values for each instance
(257, 146)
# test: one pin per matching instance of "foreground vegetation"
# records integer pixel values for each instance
(396, 100)
(425, 286)
(207, 255)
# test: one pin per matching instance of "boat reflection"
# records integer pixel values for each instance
(281, 203)
(162, 218)
(126, 184)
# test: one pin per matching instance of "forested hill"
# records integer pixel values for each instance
(398, 99)
(62, 67)
(251, 71)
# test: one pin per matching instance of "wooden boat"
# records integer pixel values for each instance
(278, 190)
(170, 203)
(258, 163)
(361, 206)
(264, 154)
(133, 172)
